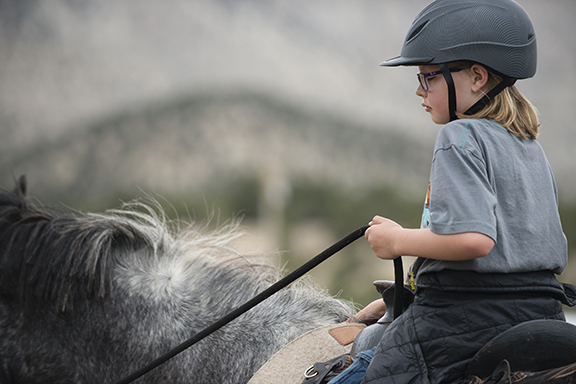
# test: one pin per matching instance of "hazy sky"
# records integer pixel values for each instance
(64, 64)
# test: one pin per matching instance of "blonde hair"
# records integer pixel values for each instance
(510, 109)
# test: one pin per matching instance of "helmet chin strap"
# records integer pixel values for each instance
(506, 82)
(451, 91)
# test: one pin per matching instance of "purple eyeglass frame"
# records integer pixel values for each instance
(423, 76)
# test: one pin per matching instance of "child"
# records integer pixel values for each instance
(491, 240)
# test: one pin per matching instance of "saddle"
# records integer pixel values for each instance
(295, 362)
(503, 375)
(547, 353)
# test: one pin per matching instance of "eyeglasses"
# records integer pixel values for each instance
(423, 77)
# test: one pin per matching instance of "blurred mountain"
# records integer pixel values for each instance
(101, 100)
(93, 94)
(189, 144)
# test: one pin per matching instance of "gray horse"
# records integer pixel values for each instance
(89, 298)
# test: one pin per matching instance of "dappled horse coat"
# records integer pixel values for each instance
(92, 297)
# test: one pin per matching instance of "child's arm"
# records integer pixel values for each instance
(370, 313)
(389, 240)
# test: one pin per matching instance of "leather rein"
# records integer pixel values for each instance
(290, 278)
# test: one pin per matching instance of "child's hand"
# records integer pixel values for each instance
(381, 235)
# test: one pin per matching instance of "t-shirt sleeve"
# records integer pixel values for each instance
(461, 196)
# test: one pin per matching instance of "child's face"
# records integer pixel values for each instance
(435, 99)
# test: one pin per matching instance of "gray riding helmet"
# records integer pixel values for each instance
(496, 33)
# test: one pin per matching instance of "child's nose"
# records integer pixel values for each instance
(420, 91)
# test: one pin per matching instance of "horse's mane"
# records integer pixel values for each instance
(44, 252)
(130, 283)
(61, 256)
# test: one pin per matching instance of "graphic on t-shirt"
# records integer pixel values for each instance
(426, 212)
(411, 275)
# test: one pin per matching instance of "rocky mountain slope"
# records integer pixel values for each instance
(192, 143)
(69, 68)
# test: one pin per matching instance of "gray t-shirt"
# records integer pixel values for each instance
(484, 179)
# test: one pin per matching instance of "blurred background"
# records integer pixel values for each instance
(272, 111)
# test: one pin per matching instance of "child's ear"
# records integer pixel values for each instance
(479, 76)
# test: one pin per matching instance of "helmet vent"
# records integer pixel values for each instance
(416, 31)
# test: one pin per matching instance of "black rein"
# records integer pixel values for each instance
(290, 278)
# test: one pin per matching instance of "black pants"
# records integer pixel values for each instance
(435, 339)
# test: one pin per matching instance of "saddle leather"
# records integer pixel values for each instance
(503, 375)
(346, 335)
(321, 373)
(288, 366)
(548, 344)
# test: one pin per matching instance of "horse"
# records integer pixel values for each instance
(89, 298)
